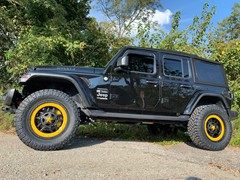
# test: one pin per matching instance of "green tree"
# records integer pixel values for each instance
(52, 32)
(40, 31)
(225, 48)
(229, 54)
(122, 14)
(191, 40)
(9, 33)
(229, 28)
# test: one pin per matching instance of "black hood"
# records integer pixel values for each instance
(70, 69)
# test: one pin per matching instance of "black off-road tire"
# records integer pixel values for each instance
(24, 115)
(199, 132)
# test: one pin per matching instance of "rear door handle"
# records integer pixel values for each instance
(186, 86)
(151, 82)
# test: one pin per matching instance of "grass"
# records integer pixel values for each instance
(129, 132)
(140, 133)
(235, 141)
(6, 121)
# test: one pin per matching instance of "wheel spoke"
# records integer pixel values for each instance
(53, 110)
(40, 113)
(39, 124)
(42, 129)
(50, 129)
(55, 128)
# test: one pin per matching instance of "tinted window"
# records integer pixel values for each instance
(176, 67)
(209, 72)
(141, 63)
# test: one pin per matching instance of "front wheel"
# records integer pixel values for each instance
(209, 127)
(46, 120)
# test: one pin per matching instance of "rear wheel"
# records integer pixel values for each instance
(46, 120)
(209, 127)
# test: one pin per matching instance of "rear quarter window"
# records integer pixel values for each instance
(208, 72)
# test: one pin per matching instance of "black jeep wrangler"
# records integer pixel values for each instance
(155, 87)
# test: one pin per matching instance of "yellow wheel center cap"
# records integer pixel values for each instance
(213, 127)
(49, 119)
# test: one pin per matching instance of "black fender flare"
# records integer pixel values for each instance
(197, 97)
(84, 97)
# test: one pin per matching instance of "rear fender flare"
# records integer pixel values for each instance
(196, 99)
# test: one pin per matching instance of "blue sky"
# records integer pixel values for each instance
(191, 8)
(188, 8)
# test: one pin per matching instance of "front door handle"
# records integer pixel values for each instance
(152, 82)
(186, 86)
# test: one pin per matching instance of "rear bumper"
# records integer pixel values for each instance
(233, 115)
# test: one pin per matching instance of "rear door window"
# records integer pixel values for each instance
(177, 67)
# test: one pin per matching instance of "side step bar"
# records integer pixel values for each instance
(101, 114)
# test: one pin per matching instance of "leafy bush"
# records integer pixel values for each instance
(236, 133)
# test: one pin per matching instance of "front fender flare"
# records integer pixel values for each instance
(78, 83)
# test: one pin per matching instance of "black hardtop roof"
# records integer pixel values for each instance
(193, 56)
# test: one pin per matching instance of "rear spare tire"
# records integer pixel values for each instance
(46, 120)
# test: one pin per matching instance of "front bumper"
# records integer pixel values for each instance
(233, 115)
(11, 99)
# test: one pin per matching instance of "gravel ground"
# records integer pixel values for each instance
(98, 159)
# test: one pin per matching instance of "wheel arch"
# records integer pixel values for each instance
(205, 99)
(71, 85)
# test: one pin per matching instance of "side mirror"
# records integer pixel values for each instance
(122, 65)
(122, 61)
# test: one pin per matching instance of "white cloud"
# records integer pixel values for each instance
(162, 18)
(159, 19)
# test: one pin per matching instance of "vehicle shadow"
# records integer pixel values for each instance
(80, 142)
(91, 137)
(190, 143)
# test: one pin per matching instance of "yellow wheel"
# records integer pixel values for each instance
(209, 127)
(214, 128)
(49, 120)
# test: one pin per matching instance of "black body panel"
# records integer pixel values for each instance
(137, 84)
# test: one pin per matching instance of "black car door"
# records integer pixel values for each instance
(177, 83)
(136, 89)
